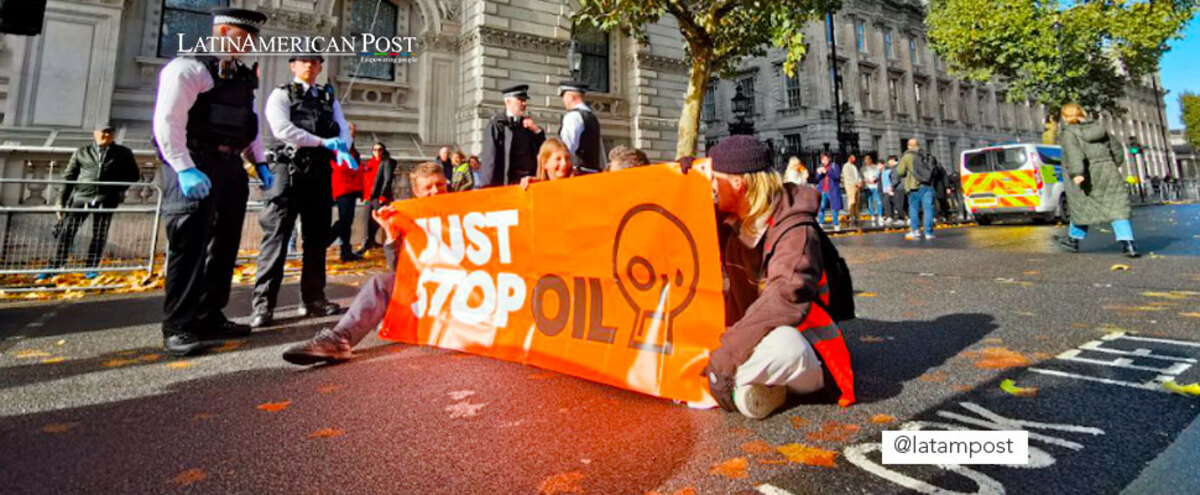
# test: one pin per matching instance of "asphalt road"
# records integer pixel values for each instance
(940, 324)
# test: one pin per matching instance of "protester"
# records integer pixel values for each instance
(554, 163)
(918, 170)
(829, 184)
(623, 157)
(852, 182)
(370, 305)
(377, 176)
(1095, 192)
(870, 174)
(204, 132)
(444, 158)
(510, 142)
(796, 172)
(101, 161)
(772, 329)
(347, 187)
(462, 178)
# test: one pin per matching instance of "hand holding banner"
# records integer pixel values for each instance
(610, 277)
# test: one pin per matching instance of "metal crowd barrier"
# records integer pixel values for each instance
(34, 237)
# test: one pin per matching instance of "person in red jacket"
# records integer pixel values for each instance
(778, 338)
(376, 176)
(347, 187)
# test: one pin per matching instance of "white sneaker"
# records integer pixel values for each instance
(929, 237)
(759, 401)
(912, 235)
(837, 228)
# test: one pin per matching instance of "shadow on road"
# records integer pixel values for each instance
(886, 354)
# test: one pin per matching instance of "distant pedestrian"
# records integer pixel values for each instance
(347, 188)
(893, 193)
(871, 174)
(101, 161)
(852, 182)
(830, 186)
(377, 176)
(1095, 192)
(461, 177)
(796, 172)
(918, 170)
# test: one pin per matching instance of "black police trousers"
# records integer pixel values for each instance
(202, 243)
(304, 194)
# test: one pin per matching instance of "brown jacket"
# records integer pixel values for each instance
(789, 287)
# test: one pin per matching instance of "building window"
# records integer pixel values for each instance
(747, 86)
(864, 90)
(709, 110)
(860, 36)
(894, 94)
(982, 108)
(378, 18)
(593, 44)
(962, 105)
(912, 52)
(918, 90)
(191, 18)
(833, 85)
(943, 93)
(889, 48)
(791, 143)
(791, 89)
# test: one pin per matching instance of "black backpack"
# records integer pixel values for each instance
(837, 276)
(924, 168)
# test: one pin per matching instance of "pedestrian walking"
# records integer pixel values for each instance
(307, 120)
(871, 173)
(510, 142)
(830, 186)
(796, 172)
(371, 303)
(1095, 191)
(919, 173)
(101, 161)
(779, 338)
(205, 119)
(852, 183)
(580, 129)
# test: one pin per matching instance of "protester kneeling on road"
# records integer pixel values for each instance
(768, 346)
(369, 306)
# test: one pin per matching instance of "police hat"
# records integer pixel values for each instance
(520, 91)
(249, 20)
(572, 86)
(306, 56)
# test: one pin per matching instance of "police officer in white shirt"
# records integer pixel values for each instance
(205, 120)
(580, 129)
(308, 121)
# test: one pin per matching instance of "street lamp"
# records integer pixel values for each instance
(743, 106)
(574, 59)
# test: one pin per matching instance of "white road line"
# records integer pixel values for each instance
(1063, 374)
(1158, 341)
(766, 489)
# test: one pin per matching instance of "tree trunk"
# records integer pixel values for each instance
(689, 122)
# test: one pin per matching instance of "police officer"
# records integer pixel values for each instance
(580, 129)
(205, 121)
(308, 121)
(511, 142)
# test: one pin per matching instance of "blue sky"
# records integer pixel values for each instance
(1181, 71)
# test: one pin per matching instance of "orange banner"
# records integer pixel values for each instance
(611, 277)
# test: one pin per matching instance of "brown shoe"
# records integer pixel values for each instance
(326, 346)
(320, 308)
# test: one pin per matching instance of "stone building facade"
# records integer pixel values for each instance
(98, 60)
(894, 87)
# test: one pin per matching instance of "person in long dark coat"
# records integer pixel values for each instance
(1095, 187)
(511, 142)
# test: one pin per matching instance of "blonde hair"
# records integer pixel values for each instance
(1072, 113)
(763, 189)
(550, 147)
(458, 156)
(794, 163)
(426, 169)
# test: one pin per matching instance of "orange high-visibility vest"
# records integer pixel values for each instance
(825, 336)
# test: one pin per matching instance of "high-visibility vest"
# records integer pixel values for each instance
(826, 337)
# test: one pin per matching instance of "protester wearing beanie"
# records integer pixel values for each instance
(784, 342)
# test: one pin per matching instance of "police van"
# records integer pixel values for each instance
(1014, 180)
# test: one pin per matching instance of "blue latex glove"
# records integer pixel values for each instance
(347, 160)
(194, 183)
(264, 175)
(335, 144)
